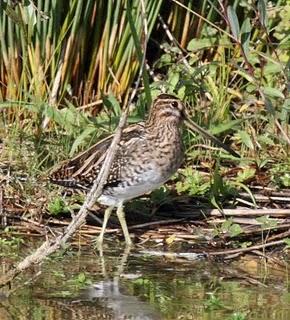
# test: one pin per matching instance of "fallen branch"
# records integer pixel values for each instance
(248, 212)
(248, 249)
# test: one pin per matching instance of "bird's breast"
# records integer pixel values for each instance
(144, 165)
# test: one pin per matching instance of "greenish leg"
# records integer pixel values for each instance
(106, 218)
(121, 217)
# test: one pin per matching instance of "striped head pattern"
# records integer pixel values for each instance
(166, 108)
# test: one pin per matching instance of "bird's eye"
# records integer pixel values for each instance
(174, 104)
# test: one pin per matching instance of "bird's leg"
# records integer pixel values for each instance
(105, 221)
(122, 219)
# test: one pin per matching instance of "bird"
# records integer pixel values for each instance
(148, 154)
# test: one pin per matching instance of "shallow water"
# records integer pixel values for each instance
(147, 284)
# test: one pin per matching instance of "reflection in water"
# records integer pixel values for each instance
(119, 305)
(137, 285)
(102, 300)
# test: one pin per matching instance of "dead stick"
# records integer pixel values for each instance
(154, 223)
(247, 212)
(256, 247)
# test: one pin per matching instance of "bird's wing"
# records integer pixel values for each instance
(82, 170)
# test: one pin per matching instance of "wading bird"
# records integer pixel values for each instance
(148, 154)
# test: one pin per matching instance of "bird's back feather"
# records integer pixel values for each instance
(82, 170)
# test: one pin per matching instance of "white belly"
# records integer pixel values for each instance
(148, 182)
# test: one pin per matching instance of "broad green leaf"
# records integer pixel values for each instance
(71, 118)
(246, 139)
(285, 179)
(245, 36)
(173, 78)
(263, 139)
(262, 12)
(267, 222)
(273, 92)
(245, 75)
(112, 104)
(224, 41)
(81, 277)
(53, 114)
(81, 138)
(139, 50)
(226, 224)
(198, 44)
(272, 68)
(254, 57)
(234, 22)
(235, 230)
(287, 242)
(246, 174)
(164, 60)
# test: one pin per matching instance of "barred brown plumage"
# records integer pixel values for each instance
(146, 157)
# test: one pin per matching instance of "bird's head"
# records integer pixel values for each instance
(166, 108)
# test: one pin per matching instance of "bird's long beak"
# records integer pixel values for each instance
(195, 127)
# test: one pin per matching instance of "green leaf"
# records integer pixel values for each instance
(285, 111)
(57, 206)
(245, 75)
(54, 114)
(112, 104)
(173, 78)
(246, 244)
(70, 118)
(267, 141)
(198, 44)
(246, 174)
(272, 68)
(81, 138)
(226, 224)
(273, 92)
(81, 277)
(164, 60)
(235, 230)
(234, 22)
(238, 316)
(224, 41)
(267, 222)
(285, 179)
(139, 50)
(245, 36)
(262, 12)
(287, 242)
(246, 139)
